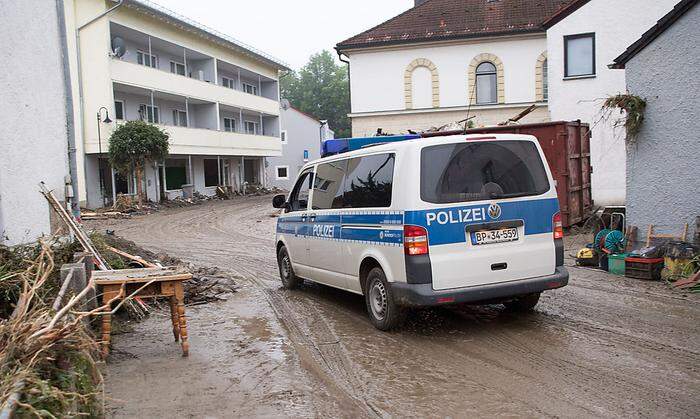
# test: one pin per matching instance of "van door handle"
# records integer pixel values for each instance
(499, 266)
(312, 217)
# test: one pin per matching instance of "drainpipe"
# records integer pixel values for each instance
(70, 116)
(72, 147)
(347, 62)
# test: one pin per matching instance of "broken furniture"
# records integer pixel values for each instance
(651, 235)
(144, 283)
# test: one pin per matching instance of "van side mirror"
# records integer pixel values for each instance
(279, 201)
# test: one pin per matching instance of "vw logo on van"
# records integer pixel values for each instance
(494, 211)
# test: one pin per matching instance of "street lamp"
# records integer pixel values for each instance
(99, 148)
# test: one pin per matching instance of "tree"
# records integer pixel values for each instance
(134, 143)
(320, 88)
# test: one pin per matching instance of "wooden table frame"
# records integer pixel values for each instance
(145, 283)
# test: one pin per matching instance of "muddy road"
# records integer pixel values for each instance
(603, 346)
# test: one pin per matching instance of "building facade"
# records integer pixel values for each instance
(301, 139)
(663, 179)
(35, 120)
(581, 40)
(216, 97)
(444, 61)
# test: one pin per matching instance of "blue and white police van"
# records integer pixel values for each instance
(424, 222)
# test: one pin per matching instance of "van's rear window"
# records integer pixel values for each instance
(474, 171)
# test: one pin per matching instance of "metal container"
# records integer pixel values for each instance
(567, 148)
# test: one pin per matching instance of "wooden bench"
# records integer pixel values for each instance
(145, 283)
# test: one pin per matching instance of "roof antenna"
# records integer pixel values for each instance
(471, 97)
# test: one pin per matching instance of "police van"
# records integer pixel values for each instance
(424, 222)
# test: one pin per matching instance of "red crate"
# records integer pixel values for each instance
(644, 268)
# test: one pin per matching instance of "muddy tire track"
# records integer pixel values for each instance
(603, 346)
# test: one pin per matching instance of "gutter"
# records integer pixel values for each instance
(347, 62)
(70, 116)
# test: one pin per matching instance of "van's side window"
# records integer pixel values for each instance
(369, 181)
(328, 187)
(299, 198)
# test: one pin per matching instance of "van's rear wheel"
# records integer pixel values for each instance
(383, 312)
(523, 303)
(289, 279)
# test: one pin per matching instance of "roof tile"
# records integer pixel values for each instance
(454, 19)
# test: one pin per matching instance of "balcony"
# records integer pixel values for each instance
(196, 127)
(150, 78)
(157, 64)
(199, 141)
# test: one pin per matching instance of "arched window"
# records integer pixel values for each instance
(541, 85)
(545, 81)
(486, 83)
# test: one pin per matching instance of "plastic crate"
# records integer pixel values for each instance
(616, 263)
(644, 268)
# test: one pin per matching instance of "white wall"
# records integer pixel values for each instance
(617, 24)
(33, 118)
(377, 76)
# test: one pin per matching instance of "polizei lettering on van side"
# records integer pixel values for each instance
(456, 216)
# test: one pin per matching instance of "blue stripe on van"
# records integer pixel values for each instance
(372, 235)
(446, 225)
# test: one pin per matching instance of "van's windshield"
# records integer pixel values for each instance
(474, 171)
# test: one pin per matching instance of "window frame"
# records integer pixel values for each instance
(566, 55)
(116, 114)
(493, 73)
(233, 124)
(155, 111)
(277, 173)
(154, 59)
(393, 174)
(545, 80)
(253, 88)
(255, 123)
(310, 171)
(204, 172)
(283, 136)
(176, 121)
(227, 80)
(177, 63)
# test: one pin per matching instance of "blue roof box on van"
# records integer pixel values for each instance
(343, 145)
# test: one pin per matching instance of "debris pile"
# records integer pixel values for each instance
(47, 356)
(208, 284)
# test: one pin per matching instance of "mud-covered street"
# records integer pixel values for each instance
(602, 346)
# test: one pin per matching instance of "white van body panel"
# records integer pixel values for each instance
(338, 240)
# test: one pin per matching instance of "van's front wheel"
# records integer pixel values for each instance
(289, 279)
(524, 303)
(383, 312)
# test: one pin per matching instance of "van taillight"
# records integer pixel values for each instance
(557, 226)
(415, 240)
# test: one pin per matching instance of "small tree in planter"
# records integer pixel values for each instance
(133, 144)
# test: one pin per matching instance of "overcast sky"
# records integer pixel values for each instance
(290, 30)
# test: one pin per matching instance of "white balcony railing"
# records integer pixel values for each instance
(197, 141)
(151, 78)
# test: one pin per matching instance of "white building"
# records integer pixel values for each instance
(581, 41)
(35, 121)
(444, 60)
(302, 135)
(216, 97)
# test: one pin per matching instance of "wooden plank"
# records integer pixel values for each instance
(180, 277)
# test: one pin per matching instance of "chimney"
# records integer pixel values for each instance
(419, 2)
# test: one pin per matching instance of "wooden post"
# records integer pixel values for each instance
(180, 301)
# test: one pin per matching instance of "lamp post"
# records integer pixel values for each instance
(99, 148)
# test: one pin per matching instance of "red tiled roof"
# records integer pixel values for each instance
(437, 20)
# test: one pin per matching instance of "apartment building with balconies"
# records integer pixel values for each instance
(217, 98)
